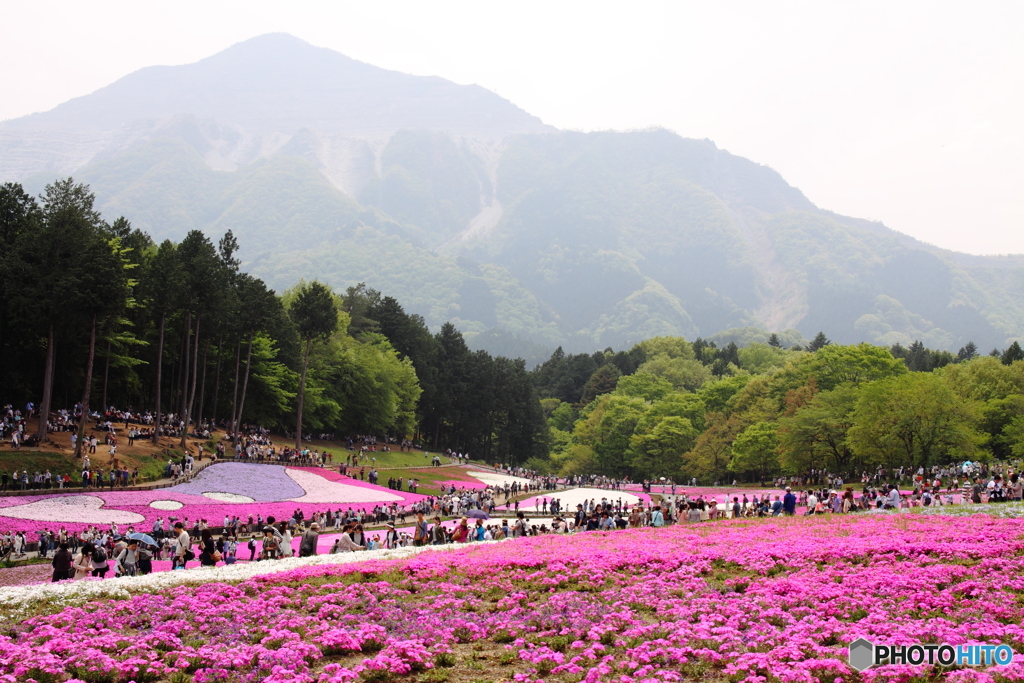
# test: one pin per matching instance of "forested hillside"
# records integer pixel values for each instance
(96, 313)
(469, 210)
(681, 410)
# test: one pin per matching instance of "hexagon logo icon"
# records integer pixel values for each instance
(862, 654)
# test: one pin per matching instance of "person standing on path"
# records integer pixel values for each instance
(183, 546)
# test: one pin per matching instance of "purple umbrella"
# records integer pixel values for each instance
(478, 514)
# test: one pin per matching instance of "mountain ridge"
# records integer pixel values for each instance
(517, 232)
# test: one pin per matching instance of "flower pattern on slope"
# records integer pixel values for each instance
(264, 483)
(80, 509)
(320, 490)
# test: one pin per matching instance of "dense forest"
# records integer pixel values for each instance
(678, 409)
(96, 313)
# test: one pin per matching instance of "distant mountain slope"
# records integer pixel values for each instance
(468, 209)
(279, 83)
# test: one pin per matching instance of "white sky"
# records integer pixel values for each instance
(909, 112)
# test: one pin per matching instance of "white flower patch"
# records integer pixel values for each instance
(495, 479)
(228, 497)
(18, 599)
(79, 509)
(573, 497)
(320, 490)
(166, 505)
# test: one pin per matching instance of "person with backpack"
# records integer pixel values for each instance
(128, 559)
(307, 546)
(520, 529)
(252, 548)
(99, 561)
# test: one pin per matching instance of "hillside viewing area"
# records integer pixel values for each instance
(316, 372)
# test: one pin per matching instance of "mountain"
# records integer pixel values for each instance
(466, 208)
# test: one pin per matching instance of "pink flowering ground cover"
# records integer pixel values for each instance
(743, 600)
(323, 489)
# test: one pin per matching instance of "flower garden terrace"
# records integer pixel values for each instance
(741, 600)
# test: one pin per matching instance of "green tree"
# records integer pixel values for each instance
(1012, 354)
(834, 365)
(656, 447)
(681, 373)
(161, 282)
(815, 436)
(603, 381)
(316, 317)
(912, 420)
(819, 342)
(644, 385)
(755, 451)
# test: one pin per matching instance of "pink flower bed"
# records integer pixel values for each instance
(752, 601)
(101, 507)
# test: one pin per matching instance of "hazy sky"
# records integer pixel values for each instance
(909, 113)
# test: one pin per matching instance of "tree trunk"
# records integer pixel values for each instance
(302, 395)
(88, 387)
(234, 397)
(184, 366)
(44, 409)
(245, 382)
(159, 377)
(192, 391)
(216, 381)
(202, 387)
(106, 376)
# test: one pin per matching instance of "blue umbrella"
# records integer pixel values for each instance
(143, 538)
(478, 514)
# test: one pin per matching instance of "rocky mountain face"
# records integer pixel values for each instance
(466, 208)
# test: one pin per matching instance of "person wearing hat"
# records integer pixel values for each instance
(789, 502)
(391, 537)
(461, 533)
(307, 546)
(581, 515)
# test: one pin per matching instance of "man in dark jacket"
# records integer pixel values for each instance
(789, 502)
(61, 563)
